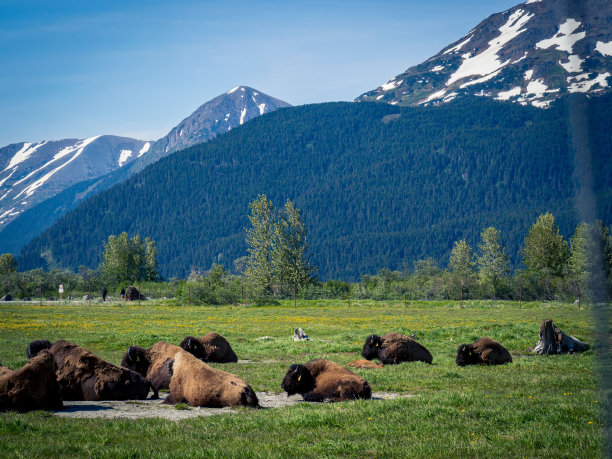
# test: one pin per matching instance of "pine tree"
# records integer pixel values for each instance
(290, 255)
(260, 244)
(545, 252)
(493, 263)
(462, 264)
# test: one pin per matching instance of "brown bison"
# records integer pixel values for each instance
(483, 351)
(197, 384)
(364, 364)
(32, 387)
(153, 363)
(212, 347)
(321, 380)
(85, 376)
(394, 348)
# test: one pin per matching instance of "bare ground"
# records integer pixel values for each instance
(139, 409)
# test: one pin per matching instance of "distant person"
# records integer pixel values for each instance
(104, 292)
(122, 293)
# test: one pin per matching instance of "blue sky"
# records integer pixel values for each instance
(136, 68)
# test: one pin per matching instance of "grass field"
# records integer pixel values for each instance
(536, 406)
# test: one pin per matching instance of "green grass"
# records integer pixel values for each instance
(536, 406)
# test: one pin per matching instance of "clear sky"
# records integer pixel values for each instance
(75, 69)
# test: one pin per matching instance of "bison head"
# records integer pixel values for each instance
(194, 347)
(371, 348)
(298, 380)
(35, 347)
(136, 359)
(467, 356)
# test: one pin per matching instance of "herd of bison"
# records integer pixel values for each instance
(65, 371)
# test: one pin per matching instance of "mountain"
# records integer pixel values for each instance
(533, 53)
(379, 185)
(214, 117)
(33, 172)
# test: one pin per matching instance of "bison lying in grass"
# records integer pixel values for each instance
(320, 380)
(212, 347)
(483, 351)
(153, 363)
(394, 348)
(32, 387)
(197, 384)
(84, 376)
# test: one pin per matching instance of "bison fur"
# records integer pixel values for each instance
(153, 363)
(394, 348)
(197, 384)
(483, 351)
(85, 376)
(36, 346)
(32, 387)
(212, 347)
(321, 380)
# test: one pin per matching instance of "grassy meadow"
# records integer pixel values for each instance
(536, 406)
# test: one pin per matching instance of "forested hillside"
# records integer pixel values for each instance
(379, 185)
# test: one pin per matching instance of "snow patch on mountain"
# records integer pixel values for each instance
(124, 155)
(457, 47)
(23, 154)
(144, 149)
(565, 38)
(573, 65)
(604, 49)
(487, 62)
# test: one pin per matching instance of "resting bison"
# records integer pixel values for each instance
(212, 347)
(394, 348)
(320, 380)
(483, 351)
(554, 341)
(32, 387)
(85, 376)
(153, 363)
(198, 384)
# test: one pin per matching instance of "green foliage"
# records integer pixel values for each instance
(260, 239)
(493, 263)
(8, 264)
(375, 194)
(216, 287)
(545, 252)
(129, 260)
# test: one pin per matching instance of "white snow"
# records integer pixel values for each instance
(79, 147)
(435, 95)
(541, 103)
(262, 108)
(604, 48)
(8, 212)
(144, 149)
(573, 65)
(181, 133)
(450, 97)
(242, 115)
(487, 62)
(480, 80)
(585, 86)
(458, 46)
(234, 90)
(7, 177)
(520, 58)
(395, 102)
(537, 87)
(532, 1)
(23, 154)
(124, 156)
(565, 38)
(505, 95)
(437, 68)
(380, 97)
(582, 76)
(391, 85)
(528, 75)
(242, 89)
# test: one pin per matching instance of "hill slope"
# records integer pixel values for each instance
(379, 185)
(532, 53)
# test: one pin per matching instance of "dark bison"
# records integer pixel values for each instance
(212, 347)
(197, 384)
(320, 380)
(32, 387)
(84, 376)
(483, 351)
(394, 348)
(153, 363)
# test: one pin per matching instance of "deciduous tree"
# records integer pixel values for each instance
(493, 263)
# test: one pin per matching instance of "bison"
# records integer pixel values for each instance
(153, 363)
(32, 387)
(394, 348)
(483, 351)
(321, 380)
(197, 384)
(212, 347)
(84, 376)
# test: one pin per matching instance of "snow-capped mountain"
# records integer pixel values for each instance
(217, 116)
(532, 54)
(33, 172)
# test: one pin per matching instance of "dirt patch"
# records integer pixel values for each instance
(139, 409)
